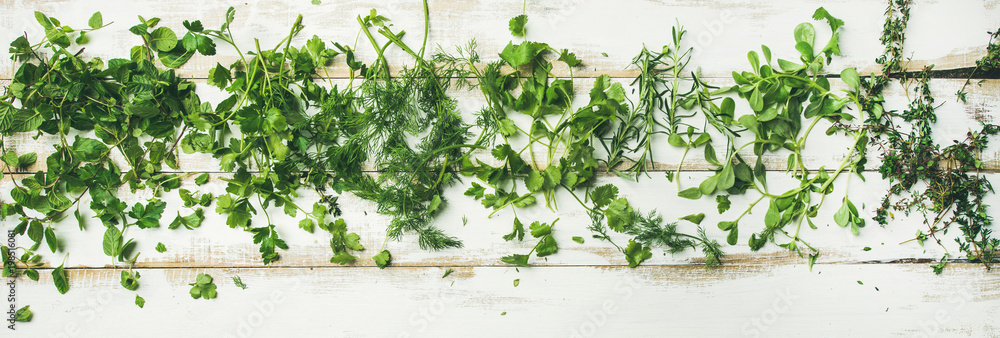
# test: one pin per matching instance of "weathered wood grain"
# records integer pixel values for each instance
(720, 31)
(875, 284)
(757, 301)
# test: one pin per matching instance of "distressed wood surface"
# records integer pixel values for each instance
(874, 284)
(722, 31)
(868, 300)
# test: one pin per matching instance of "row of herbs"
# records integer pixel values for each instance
(286, 127)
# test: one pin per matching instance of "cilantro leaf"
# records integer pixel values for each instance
(636, 253)
(546, 246)
(518, 231)
(619, 214)
(516, 25)
(518, 260)
(534, 181)
(603, 195)
(569, 58)
(522, 54)
(383, 259)
(540, 229)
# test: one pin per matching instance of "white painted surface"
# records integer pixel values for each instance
(584, 286)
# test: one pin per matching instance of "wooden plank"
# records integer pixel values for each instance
(721, 31)
(216, 245)
(895, 299)
(955, 120)
(859, 286)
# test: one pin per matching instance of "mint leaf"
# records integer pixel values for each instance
(23, 315)
(60, 279)
(163, 39)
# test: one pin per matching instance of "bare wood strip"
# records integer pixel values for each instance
(906, 299)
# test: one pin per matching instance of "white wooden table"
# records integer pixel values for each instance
(584, 290)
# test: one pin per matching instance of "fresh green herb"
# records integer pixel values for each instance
(382, 259)
(546, 244)
(140, 302)
(447, 272)
(989, 62)
(60, 280)
(161, 248)
(935, 179)
(23, 315)
(784, 100)
(203, 287)
(239, 282)
(201, 179)
(130, 280)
